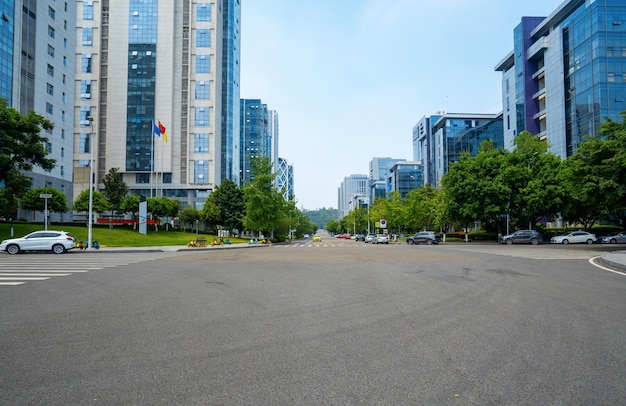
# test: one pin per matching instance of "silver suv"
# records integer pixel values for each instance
(424, 237)
(49, 240)
(522, 237)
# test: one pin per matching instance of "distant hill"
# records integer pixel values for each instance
(322, 216)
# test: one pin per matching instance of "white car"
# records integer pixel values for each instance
(574, 237)
(49, 240)
(380, 239)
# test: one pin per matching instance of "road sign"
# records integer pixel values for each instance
(383, 223)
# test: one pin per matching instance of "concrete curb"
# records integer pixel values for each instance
(615, 260)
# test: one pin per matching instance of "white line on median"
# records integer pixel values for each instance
(592, 262)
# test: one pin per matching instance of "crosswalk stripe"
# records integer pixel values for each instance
(2, 271)
(3, 275)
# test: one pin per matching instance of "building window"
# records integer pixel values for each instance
(50, 89)
(83, 145)
(50, 32)
(201, 171)
(142, 178)
(201, 117)
(203, 64)
(87, 10)
(202, 90)
(201, 143)
(49, 147)
(167, 178)
(62, 152)
(85, 111)
(50, 70)
(65, 61)
(62, 170)
(85, 64)
(49, 108)
(64, 78)
(85, 89)
(62, 133)
(83, 163)
(203, 38)
(87, 36)
(51, 12)
(51, 50)
(203, 12)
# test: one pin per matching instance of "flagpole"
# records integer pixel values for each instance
(151, 156)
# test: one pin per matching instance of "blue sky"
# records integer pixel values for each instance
(350, 78)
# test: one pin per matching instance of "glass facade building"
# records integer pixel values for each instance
(404, 177)
(440, 139)
(566, 73)
(255, 134)
(230, 90)
(7, 42)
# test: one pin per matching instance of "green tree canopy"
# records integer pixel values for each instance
(264, 203)
(31, 200)
(229, 198)
(115, 189)
(99, 203)
(21, 145)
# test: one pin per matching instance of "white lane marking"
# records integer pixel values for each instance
(2, 271)
(23, 279)
(3, 274)
(592, 262)
(11, 283)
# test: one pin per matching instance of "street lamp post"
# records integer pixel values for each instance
(90, 220)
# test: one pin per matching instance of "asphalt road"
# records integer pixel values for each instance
(331, 323)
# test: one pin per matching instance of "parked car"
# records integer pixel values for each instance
(522, 237)
(359, 237)
(615, 237)
(369, 238)
(344, 236)
(49, 240)
(380, 239)
(424, 237)
(574, 237)
(317, 238)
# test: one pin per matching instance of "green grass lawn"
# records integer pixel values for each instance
(119, 236)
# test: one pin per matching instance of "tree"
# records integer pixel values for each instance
(21, 145)
(115, 189)
(263, 202)
(595, 176)
(99, 203)
(211, 213)
(31, 200)
(475, 187)
(161, 207)
(8, 204)
(229, 198)
(189, 215)
(130, 204)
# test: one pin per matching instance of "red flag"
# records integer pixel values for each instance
(162, 128)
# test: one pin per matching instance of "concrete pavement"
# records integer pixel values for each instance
(616, 259)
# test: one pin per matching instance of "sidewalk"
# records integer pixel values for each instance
(170, 248)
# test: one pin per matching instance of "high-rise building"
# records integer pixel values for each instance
(37, 41)
(352, 193)
(379, 172)
(566, 73)
(230, 90)
(284, 179)
(255, 133)
(440, 140)
(404, 177)
(149, 63)
(7, 48)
